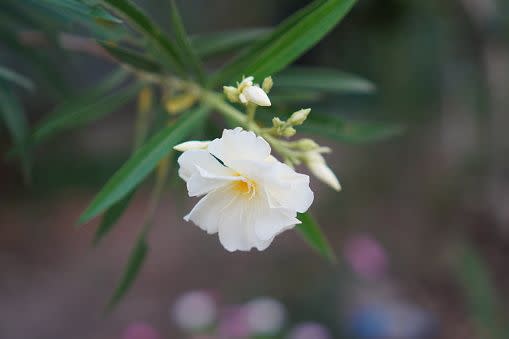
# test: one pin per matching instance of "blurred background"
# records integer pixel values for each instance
(421, 227)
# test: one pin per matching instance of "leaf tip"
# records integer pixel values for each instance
(84, 218)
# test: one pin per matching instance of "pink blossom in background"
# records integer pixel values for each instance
(140, 330)
(309, 331)
(233, 323)
(365, 256)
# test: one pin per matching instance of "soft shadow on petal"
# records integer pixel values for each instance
(232, 228)
(207, 212)
(204, 182)
(190, 161)
(236, 227)
(272, 221)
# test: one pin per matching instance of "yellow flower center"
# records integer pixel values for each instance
(245, 187)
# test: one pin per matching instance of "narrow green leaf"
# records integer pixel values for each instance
(322, 79)
(132, 58)
(83, 9)
(141, 22)
(291, 39)
(68, 14)
(142, 163)
(111, 217)
(73, 115)
(132, 269)
(14, 118)
(186, 50)
(312, 234)
(16, 78)
(214, 44)
(354, 132)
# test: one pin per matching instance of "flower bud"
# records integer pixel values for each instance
(288, 132)
(255, 95)
(232, 94)
(276, 122)
(319, 168)
(246, 82)
(267, 84)
(191, 145)
(307, 144)
(299, 117)
(247, 92)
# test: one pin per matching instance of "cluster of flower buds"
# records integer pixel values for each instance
(248, 92)
(307, 151)
(287, 128)
(304, 151)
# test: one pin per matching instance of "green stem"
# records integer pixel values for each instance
(216, 101)
(250, 112)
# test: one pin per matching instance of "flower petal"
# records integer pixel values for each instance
(236, 227)
(283, 187)
(189, 160)
(270, 222)
(288, 189)
(238, 144)
(205, 182)
(207, 212)
(203, 173)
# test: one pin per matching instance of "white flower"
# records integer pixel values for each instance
(246, 92)
(249, 196)
(319, 168)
